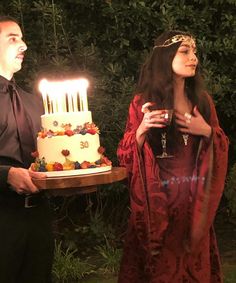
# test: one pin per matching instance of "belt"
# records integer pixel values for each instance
(24, 201)
(32, 201)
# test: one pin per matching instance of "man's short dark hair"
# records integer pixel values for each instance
(4, 19)
(7, 19)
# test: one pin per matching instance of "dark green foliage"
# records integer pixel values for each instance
(107, 41)
(230, 191)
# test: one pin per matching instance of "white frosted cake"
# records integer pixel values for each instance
(69, 144)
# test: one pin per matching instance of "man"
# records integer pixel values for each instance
(26, 243)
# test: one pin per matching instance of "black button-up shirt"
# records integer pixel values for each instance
(10, 154)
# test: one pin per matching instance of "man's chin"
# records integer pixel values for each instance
(17, 68)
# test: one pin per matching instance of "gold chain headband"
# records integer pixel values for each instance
(177, 38)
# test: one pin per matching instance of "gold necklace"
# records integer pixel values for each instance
(185, 138)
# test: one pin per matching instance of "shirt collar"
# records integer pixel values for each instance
(4, 83)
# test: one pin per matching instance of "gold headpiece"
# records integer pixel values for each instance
(177, 38)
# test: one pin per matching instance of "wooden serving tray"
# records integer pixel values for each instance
(80, 184)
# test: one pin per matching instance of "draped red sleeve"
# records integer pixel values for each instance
(149, 213)
(211, 169)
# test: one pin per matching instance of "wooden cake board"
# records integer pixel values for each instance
(80, 184)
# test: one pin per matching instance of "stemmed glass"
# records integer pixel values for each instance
(167, 115)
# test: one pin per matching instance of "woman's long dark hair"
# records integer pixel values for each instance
(155, 82)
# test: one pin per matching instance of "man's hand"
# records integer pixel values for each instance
(20, 180)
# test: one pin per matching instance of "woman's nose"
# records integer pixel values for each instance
(193, 57)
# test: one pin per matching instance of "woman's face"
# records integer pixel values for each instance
(185, 61)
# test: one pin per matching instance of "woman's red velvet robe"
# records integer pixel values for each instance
(155, 252)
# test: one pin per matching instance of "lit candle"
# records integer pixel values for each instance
(80, 97)
(69, 96)
(52, 97)
(59, 92)
(49, 104)
(43, 89)
(74, 95)
(82, 88)
(63, 96)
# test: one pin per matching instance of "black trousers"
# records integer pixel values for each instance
(26, 241)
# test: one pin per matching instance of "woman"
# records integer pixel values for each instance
(174, 198)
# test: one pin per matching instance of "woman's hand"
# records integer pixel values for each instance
(151, 119)
(193, 124)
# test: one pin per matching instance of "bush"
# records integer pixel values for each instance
(68, 267)
(107, 41)
(230, 191)
(111, 257)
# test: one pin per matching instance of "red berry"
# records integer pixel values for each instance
(69, 133)
(85, 165)
(91, 131)
(57, 166)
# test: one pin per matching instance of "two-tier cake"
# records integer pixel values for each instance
(68, 143)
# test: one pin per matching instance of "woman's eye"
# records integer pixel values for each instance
(184, 51)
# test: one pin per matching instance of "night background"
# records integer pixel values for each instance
(106, 42)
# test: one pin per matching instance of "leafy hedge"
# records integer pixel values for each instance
(108, 40)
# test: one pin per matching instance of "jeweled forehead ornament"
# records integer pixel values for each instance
(177, 38)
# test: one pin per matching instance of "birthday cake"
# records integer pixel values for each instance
(69, 144)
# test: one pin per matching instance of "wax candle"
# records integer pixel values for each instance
(43, 89)
(69, 96)
(82, 88)
(52, 96)
(74, 94)
(63, 97)
(80, 98)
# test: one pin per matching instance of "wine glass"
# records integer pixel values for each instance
(167, 115)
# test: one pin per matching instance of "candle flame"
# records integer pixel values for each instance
(62, 96)
(82, 83)
(43, 84)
